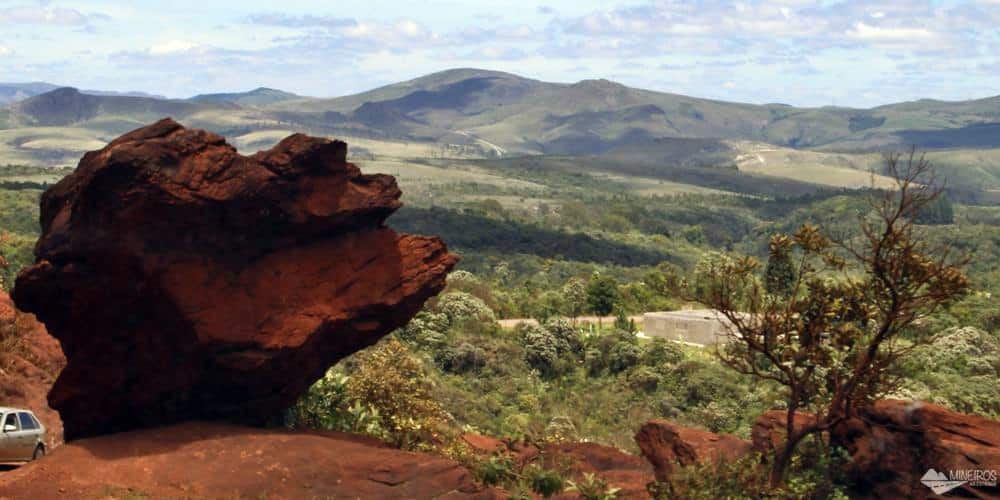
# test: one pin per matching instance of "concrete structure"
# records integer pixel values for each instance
(700, 326)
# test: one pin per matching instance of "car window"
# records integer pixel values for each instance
(38, 425)
(26, 423)
(11, 419)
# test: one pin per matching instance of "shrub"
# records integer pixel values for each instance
(567, 336)
(462, 307)
(393, 382)
(643, 378)
(495, 470)
(324, 405)
(595, 360)
(426, 328)
(560, 429)
(541, 347)
(592, 487)
(660, 352)
(815, 474)
(543, 481)
(962, 351)
(461, 359)
(623, 356)
(718, 416)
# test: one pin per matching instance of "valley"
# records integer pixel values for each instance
(566, 202)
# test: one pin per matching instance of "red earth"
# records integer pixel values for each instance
(196, 460)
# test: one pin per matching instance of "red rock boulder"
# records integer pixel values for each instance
(186, 281)
(893, 444)
(667, 445)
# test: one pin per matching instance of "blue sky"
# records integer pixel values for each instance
(849, 53)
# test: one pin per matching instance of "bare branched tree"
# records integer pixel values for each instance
(834, 340)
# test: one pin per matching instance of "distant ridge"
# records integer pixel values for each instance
(67, 106)
(13, 92)
(523, 116)
(257, 97)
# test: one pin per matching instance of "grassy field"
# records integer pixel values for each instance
(829, 169)
(10, 173)
(47, 146)
(415, 178)
(648, 186)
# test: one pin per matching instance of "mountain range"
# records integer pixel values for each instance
(484, 114)
(522, 116)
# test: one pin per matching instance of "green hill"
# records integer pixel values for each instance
(67, 106)
(257, 97)
(528, 116)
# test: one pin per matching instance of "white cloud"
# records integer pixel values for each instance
(284, 20)
(4, 50)
(868, 33)
(410, 28)
(172, 47)
(42, 14)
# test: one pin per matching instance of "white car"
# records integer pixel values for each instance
(22, 436)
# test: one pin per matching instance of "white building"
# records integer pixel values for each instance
(700, 326)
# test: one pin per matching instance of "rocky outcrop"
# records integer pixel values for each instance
(629, 473)
(30, 361)
(894, 443)
(202, 460)
(186, 281)
(667, 445)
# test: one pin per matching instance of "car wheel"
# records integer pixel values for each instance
(39, 452)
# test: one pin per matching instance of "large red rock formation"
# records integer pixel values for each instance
(667, 445)
(894, 443)
(30, 360)
(186, 281)
(205, 460)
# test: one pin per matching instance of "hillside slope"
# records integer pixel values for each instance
(68, 106)
(590, 116)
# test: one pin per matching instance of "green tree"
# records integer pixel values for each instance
(624, 323)
(602, 294)
(779, 276)
(574, 297)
